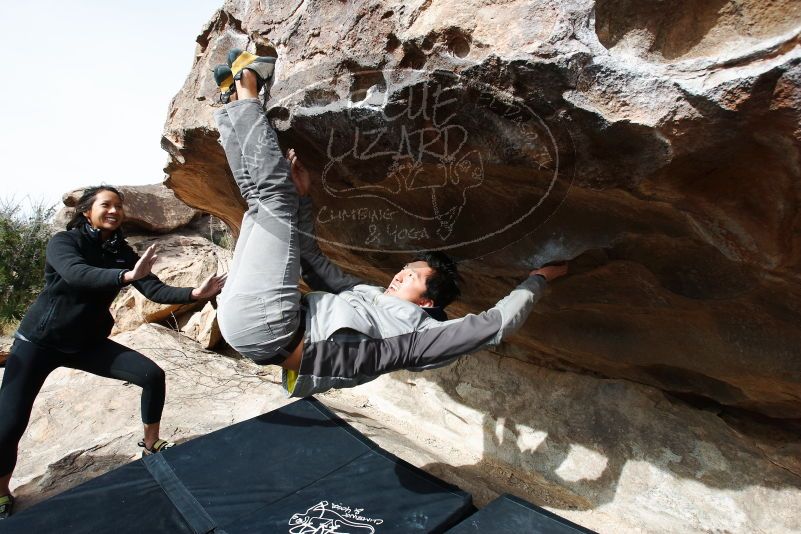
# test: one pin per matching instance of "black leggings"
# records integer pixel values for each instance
(27, 368)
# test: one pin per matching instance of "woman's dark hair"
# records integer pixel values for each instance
(443, 285)
(85, 203)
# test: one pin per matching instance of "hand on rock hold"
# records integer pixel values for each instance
(300, 174)
(550, 272)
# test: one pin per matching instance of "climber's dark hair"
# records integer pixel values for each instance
(85, 203)
(443, 285)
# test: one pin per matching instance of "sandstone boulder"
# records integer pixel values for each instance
(202, 326)
(656, 144)
(149, 208)
(184, 261)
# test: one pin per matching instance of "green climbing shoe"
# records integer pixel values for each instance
(262, 66)
(6, 506)
(225, 81)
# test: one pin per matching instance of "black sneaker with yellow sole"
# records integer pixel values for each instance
(158, 446)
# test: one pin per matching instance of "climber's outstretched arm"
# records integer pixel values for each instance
(344, 360)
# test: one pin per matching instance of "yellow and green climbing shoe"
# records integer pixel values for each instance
(262, 66)
(225, 81)
(6, 506)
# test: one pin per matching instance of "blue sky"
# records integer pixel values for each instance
(86, 89)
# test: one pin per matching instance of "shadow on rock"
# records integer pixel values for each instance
(577, 443)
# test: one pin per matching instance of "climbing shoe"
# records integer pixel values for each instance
(6, 506)
(262, 66)
(225, 81)
(158, 446)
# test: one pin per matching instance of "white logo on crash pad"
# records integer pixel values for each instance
(332, 518)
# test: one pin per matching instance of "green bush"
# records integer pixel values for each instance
(220, 234)
(23, 239)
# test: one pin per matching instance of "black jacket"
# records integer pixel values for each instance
(82, 278)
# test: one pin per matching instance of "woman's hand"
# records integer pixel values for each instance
(300, 174)
(142, 267)
(210, 287)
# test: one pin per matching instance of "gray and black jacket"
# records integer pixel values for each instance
(355, 333)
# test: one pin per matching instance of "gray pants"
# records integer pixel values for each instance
(259, 308)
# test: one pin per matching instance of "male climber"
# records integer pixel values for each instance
(346, 332)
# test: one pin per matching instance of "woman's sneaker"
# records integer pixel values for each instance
(158, 446)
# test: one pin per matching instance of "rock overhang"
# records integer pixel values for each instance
(676, 192)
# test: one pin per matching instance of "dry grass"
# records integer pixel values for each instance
(8, 327)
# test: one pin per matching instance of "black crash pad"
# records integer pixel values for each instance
(297, 470)
(510, 515)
